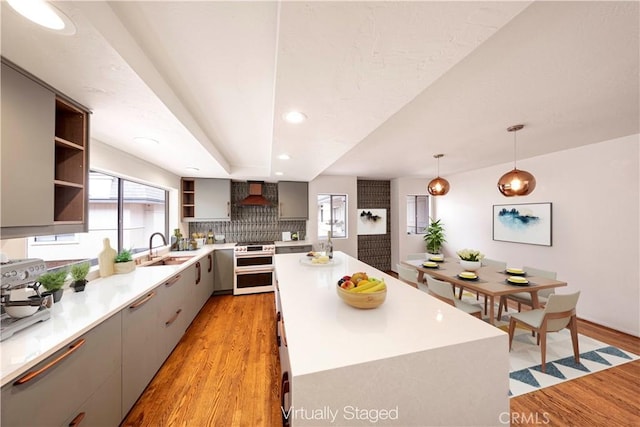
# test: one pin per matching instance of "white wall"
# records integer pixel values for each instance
(401, 242)
(104, 158)
(596, 224)
(326, 184)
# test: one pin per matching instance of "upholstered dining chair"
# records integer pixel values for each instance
(419, 255)
(444, 291)
(525, 297)
(407, 274)
(559, 313)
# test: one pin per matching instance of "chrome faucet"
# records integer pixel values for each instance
(164, 241)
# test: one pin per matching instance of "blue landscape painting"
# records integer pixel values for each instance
(512, 218)
(523, 223)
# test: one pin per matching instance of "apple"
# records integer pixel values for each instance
(347, 284)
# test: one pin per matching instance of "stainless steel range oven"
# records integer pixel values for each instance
(254, 269)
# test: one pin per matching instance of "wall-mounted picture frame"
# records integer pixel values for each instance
(372, 221)
(529, 223)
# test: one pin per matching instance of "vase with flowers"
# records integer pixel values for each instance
(470, 259)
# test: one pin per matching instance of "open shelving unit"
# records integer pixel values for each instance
(71, 159)
(188, 198)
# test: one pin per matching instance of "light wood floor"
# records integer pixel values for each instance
(225, 372)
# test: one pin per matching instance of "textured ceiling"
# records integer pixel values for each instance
(385, 85)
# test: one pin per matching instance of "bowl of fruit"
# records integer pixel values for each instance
(361, 291)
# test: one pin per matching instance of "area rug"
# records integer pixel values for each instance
(525, 372)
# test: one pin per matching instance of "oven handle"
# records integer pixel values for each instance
(254, 269)
(254, 254)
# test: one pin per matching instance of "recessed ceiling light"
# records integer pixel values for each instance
(295, 117)
(279, 173)
(192, 169)
(45, 14)
(145, 140)
(284, 157)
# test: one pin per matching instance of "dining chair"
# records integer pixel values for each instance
(444, 291)
(525, 297)
(559, 313)
(419, 255)
(499, 266)
(407, 274)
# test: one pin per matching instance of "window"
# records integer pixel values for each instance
(417, 214)
(123, 211)
(332, 215)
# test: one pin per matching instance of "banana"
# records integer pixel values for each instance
(379, 286)
(363, 287)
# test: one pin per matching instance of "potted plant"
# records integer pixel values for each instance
(124, 262)
(79, 275)
(470, 259)
(434, 237)
(53, 282)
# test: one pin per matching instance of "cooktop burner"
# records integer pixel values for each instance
(254, 243)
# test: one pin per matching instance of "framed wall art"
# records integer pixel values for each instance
(372, 221)
(528, 223)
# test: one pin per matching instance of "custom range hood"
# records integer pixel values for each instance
(255, 197)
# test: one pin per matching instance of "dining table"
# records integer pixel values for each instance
(490, 282)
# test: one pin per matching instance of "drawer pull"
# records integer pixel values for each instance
(77, 420)
(31, 375)
(142, 301)
(173, 319)
(172, 281)
(210, 263)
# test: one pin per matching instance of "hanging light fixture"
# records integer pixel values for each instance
(438, 186)
(516, 182)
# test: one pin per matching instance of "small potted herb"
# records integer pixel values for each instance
(79, 275)
(53, 282)
(124, 262)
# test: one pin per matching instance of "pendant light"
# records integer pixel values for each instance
(438, 186)
(516, 182)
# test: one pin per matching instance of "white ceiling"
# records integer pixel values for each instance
(385, 85)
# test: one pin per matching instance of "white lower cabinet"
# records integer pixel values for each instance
(75, 379)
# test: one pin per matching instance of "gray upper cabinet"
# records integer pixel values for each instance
(28, 126)
(206, 199)
(293, 200)
(44, 158)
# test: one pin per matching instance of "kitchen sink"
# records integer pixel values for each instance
(171, 260)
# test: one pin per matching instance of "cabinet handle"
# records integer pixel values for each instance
(173, 319)
(172, 281)
(280, 209)
(210, 263)
(77, 420)
(284, 389)
(278, 316)
(229, 209)
(33, 374)
(199, 276)
(142, 301)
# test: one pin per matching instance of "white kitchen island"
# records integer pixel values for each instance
(413, 361)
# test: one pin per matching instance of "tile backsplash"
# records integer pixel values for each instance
(251, 223)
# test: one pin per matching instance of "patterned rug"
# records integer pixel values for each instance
(525, 373)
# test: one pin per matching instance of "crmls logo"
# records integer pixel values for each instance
(524, 418)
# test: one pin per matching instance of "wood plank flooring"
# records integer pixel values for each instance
(225, 372)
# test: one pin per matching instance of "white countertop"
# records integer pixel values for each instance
(293, 243)
(323, 332)
(78, 312)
